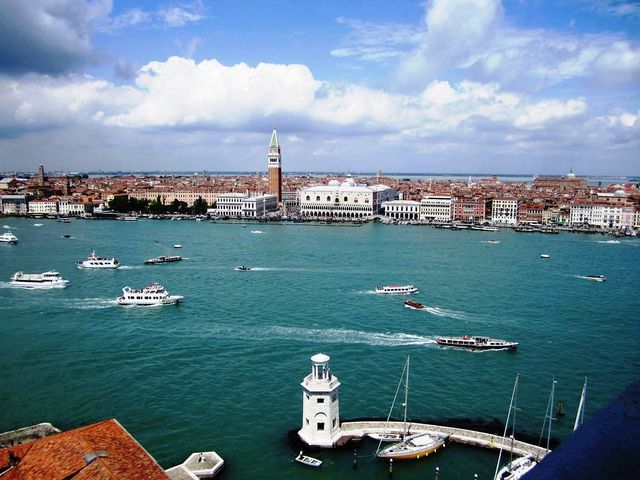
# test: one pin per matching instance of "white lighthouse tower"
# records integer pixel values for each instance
(320, 405)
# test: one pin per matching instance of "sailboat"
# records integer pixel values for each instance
(580, 413)
(411, 446)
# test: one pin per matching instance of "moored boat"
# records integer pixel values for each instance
(414, 305)
(49, 279)
(163, 259)
(153, 294)
(396, 290)
(8, 237)
(309, 461)
(94, 261)
(476, 343)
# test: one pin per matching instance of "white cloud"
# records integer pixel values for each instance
(181, 15)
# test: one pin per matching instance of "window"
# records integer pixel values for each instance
(321, 426)
(334, 423)
(307, 396)
(320, 400)
(318, 198)
(328, 198)
(307, 420)
(346, 199)
(334, 397)
(308, 198)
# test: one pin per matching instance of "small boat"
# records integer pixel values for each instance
(177, 245)
(396, 290)
(596, 278)
(38, 224)
(153, 294)
(66, 235)
(130, 219)
(309, 461)
(163, 259)
(386, 437)
(242, 268)
(414, 305)
(256, 231)
(544, 255)
(410, 447)
(476, 343)
(93, 261)
(49, 279)
(493, 241)
(8, 237)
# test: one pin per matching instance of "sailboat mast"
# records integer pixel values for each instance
(580, 413)
(406, 396)
(512, 407)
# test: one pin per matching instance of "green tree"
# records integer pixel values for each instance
(200, 206)
(120, 204)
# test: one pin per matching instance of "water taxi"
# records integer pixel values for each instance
(8, 237)
(396, 290)
(163, 259)
(596, 278)
(242, 268)
(476, 343)
(414, 305)
(49, 279)
(153, 294)
(93, 261)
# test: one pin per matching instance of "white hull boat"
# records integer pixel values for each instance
(93, 261)
(49, 279)
(396, 290)
(8, 237)
(308, 461)
(151, 295)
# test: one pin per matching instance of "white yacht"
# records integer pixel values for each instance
(93, 261)
(396, 290)
(8, 237)
(39, 280)
(153, 294)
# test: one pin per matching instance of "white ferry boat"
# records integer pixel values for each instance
(93, 261)
(153, 294)
(39, 280)
(476, 343)
(396, 290)
(8, 237)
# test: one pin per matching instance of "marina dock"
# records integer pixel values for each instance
(457, 435)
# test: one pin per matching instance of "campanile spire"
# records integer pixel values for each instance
(275, 173)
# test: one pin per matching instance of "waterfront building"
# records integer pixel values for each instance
(45, 207)
(14, 204)
(402, 209)
(436, 208)
(230, 204)
(168, 195)
(275, 172)
(104, 450)
(469, 209)
(504, 211)
(290, 199)
(602, 215)
(320, 405)
(531, 213)
(346, 200)
(258, 206)
(70, 207)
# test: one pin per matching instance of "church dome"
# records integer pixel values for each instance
(334, 183)
(620, 193)
(349, 182)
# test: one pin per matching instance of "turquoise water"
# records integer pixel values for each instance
(222, 371)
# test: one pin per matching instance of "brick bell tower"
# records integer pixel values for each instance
(275, 173)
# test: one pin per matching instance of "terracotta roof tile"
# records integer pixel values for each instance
(61, 456)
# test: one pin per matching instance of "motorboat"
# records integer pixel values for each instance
(414, 305)
(177, 245)
(396, 290)
(256, 231)
(242, 268)
(49, 279)
(66, 235)
(410, 447)
(153, 294)
(309, 461)
(163, 259)
(495, 242)
(544, 255)
(476, 343)
(596, 278)
(8, 237)
(93, 261)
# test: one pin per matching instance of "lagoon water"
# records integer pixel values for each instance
(222, 370)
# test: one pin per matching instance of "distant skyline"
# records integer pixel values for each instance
(452, 86)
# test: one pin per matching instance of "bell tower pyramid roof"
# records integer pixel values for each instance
(274, 139)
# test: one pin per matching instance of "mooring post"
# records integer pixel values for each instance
(355, 459)
(437, 472)
(390, 467)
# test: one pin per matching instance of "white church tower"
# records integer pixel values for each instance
(320, 405)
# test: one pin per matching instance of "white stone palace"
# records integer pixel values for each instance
(346, 200)
(320, 405)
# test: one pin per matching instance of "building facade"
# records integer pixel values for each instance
(504, 211)
(402, 209)
(258, 206)
(230, 204)
(14, 204)
(531, 213)
(43, 207)
(436, 208)
(345, 200)
(71, 208)
(167, 196)
(275, 170)
(469, 209)
(602, 215)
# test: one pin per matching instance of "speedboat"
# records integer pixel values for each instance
(493, 241)
(396, 290)
(596, 278)
(414, 305)
(544, 255)
(153, 294)
(93, 261)
(163, 259)
(476, 343)
(243, 268)
(177, 245)
(8, 237)
(49, 279)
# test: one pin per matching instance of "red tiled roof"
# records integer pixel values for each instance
(62, 456)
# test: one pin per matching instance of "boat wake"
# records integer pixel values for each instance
(443, 312)
(6, 226)
(90, 303)
(129, 267)
(610, 242)
(350, 336)
(38, 224)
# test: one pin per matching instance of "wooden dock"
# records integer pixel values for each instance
(458, 435)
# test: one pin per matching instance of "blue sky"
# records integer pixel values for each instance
(519, 86)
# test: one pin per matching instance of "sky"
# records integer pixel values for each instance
(442, 86)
